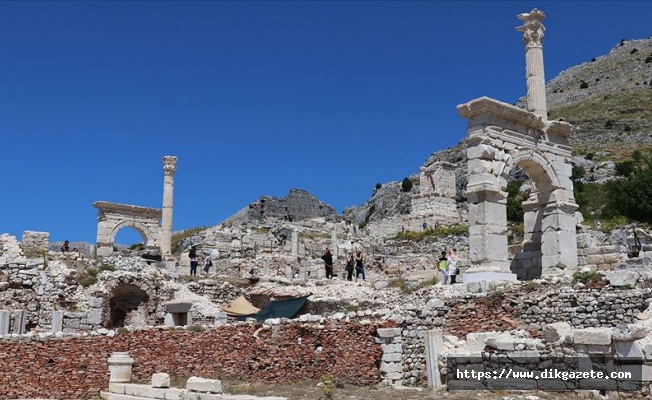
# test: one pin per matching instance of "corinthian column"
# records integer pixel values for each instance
(169, 166)
(533, 31)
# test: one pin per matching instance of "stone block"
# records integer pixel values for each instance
(629, 332)
(435, 303)
(118, 388)
(592, 336)
(94, 316)
(388, 332)
(389, 367)
(556, 331)
(176, 394)
(392, 348)
(619, 278)
(57, 321)
(197, 384)
(137, 390)
(96, 302)
(392, 357)
(628, 349)
(161, 380)
(477, 341)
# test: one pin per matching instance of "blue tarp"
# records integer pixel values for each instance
(278, 309)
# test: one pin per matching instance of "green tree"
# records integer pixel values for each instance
(632, 196)
(581, 199)
(514, 202)
(406, 185)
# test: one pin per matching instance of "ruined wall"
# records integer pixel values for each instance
(35, 241)
(297, 205)
(32, 367)
(584, 308)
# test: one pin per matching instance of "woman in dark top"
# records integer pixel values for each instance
(359, 265)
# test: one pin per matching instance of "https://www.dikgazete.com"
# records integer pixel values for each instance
(550, 373)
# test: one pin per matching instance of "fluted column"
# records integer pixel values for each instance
(533, 32)
(169, 166)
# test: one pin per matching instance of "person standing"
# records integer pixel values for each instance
(193, 261)
(328, 263)
(359, 265)
(451, 262)
(443, 266)
(208, 263)
(350, 265)
(66, 247)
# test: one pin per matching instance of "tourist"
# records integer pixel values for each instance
(350, 265)
(208, 263)
(193, 261)
(451, 262)
(65, 247)
(443, 266)
(402, 228)
(359, 265)
(425, 225)
(328, 263)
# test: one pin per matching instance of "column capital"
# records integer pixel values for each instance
(169, 164)
(532, 28)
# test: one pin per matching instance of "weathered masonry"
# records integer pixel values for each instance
(501, 136)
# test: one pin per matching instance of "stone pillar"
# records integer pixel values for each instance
(20, 320)
(295, 242)
(559, 238)
(57, 321)
(433, 347)
(487, 237)
(169, 166)
(533, 32)
(5, 318)
(120, 367)
(334, 243)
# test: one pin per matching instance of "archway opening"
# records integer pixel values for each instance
(128, 238)
(128, 306)
(529, 189)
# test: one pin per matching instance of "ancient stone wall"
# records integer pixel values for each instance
(585, 308)
(31, 367)
(297, 205)
(34, 242)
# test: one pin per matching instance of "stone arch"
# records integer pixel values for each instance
(112, 217)
(142, 230)
(501, 136)
(128, 305)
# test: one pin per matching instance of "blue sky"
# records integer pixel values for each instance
(254, 98)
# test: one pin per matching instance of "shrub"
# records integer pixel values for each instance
(406, 185)
(378, 186)
(195, 328)
(583, 85)
(648, 59)
(627, 128)
(625, 168)
(85, 279)
(178, 237)
(593, 59)
(589, 156)
(137, 247)
(589, 278)
(634, 50)
(609, 124)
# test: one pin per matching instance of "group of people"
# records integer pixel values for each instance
(448, 266)
(194, 262)
(353, 263)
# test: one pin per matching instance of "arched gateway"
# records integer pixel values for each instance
(501, 136)
(111, 217)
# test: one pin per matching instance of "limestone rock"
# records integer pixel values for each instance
(161, 380)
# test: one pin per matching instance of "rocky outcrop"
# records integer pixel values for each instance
(297, 205)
